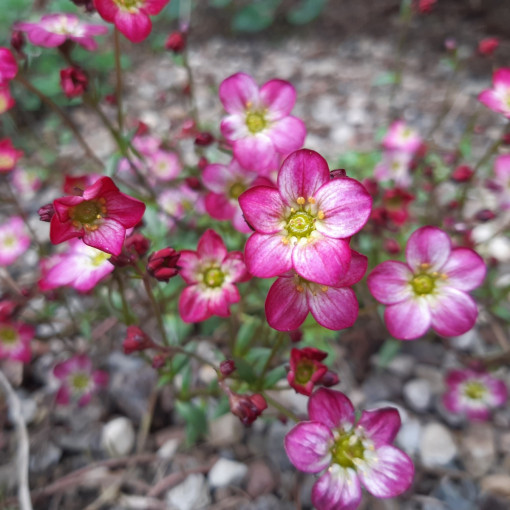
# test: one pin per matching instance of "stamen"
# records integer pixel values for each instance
(321, 215)
(424, 265)
(300, 288)
(301, 200)
(311, 200)
(324, 288)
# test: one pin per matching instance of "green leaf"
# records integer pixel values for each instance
(275, 375)
(245, 370)
(219, 3)
(387, 78)
(388, 351)
(245, 335)
(255, 17)
(306, 11)
(195, 419)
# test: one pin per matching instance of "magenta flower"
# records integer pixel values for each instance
(211, 273)
(502, 179)
(431, 289)
(164, 165)
(78, 380)
(400, 137)
(498, 98)
(100, 216)
(15, 340)
(130, 17)
(9, 155)
(8, 65)
(6, 100)
(14, 240)
(305, 223)
(473, 393)
(55, 29)
(349, 454)
(80, 267)
(226, 183)
(291, 297)
(395, 166)
(259, 125)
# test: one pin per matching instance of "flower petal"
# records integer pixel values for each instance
(498, 391)
(263, 209)
(233, 127)
(221, 299)
(190, 266)
(193, 305)
(331, 408)
(267, 255)
(408, 319)
(381, 425)
(301, 175)
(389, 282)
(219, 207)
(255, 152)
(308, 446)
(288, 134)
(217, 178)
(346, 205)
(286, 307)
(390, 474)
(465, 269)
(356, 271)
(237, 92)
(334, 308)
(135, 26)
(430, 246)
(234, 267)
(211, 247)
(453, 312)
(337, 489)
(109, 236)
(324, 260)
(278, 97)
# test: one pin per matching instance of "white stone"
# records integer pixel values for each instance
(478, 448)
(227, 472)
(118, 437)
(437, 446)
(408, 437)
(402, 365)
(168, 449)
(192, 494)
(225, 430)
(417, 394)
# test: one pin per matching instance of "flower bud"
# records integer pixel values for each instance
(487, 46)
(329, 379)
(46, 212)
(137, 244)
(162, 264)
(485, 215)
(296, 335)
(462, 173)
(18, 41)
(246, 407)
(204, 139)
(391, 246)
(176, 42)
(202, 163)
(194, 183)
(158, 361)
(74, 81)
(227, 367)
(338, 173)
(136, 340)
(87, 4)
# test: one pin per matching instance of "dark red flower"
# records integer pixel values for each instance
(176, 42)
(162, 264)
(488, 46)
(462, 173)
(306, 369)
(204, 139)
(396, 201)
(246, 407)
(74, 81)
(227, 367)
(46, 212)
(136, 340)
(391, 246)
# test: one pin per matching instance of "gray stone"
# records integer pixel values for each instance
(227, 472)
(417, 394)
(478, 449)
(268, 502)
(118, 437)
(168, 449)
(382, 386)
(498, 484)
(402, 365)
(191, 494)
(43, 455)
(408, 437)
(437, 446)
(225, 430)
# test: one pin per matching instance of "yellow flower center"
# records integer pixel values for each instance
(236, 189)
(8, 335)
(87, 213)
(214, 277)
(475, 390)
(304, 371)
(80, 381)
(100, 258)
(347, 450)
(6, 161)
(423, 284)
(255, 122)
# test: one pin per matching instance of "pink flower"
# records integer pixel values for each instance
(8, 65)
(177, 202)
(502, 179)
(431, 289)
(305, 223)
(211, 273)
(473, 393)
(6, 100)
(498, 98)
(349, 453)
(55, 29)
(226, 183)
(15, 341)
(26, 182)
(73, 81)
(164, 165)
(78, 380)
(14, 240)
(400, 137)
(259, 124)
(76, 184)
(307, 371)
(291, 297)
(100, 216)
(395, 166)
(130, 17)
(488, 46)
(9, 155)
(80, 267)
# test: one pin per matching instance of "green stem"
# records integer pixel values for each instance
(274, 351)
(64, 117)
(118, 74)
(128, 318)
(272, 402)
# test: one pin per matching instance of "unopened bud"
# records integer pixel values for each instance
(18, 41)
(391, 246)
(204, 139)
(136, 340)
(338, 173)
(227, 367)
(176, 42)
(46, 212)
(296, 335)
(329, 379)
(485, 215)
(158, 361)
(162, 264)
(247, 407)
(74, 81)
(462, 173)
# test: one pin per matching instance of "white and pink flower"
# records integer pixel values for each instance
(291, 298)
(259, 125)
(78, 380)
(55, 29)
(15, 340)
(474, 393)
(348, 453)
(498, 98)
(6, 99)
(211, 274)
(9, 155)
(14, 240)
(305, 223)
(400, 137)
(80, 267)
(226, 183)
(431, 289)
(502, 179)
